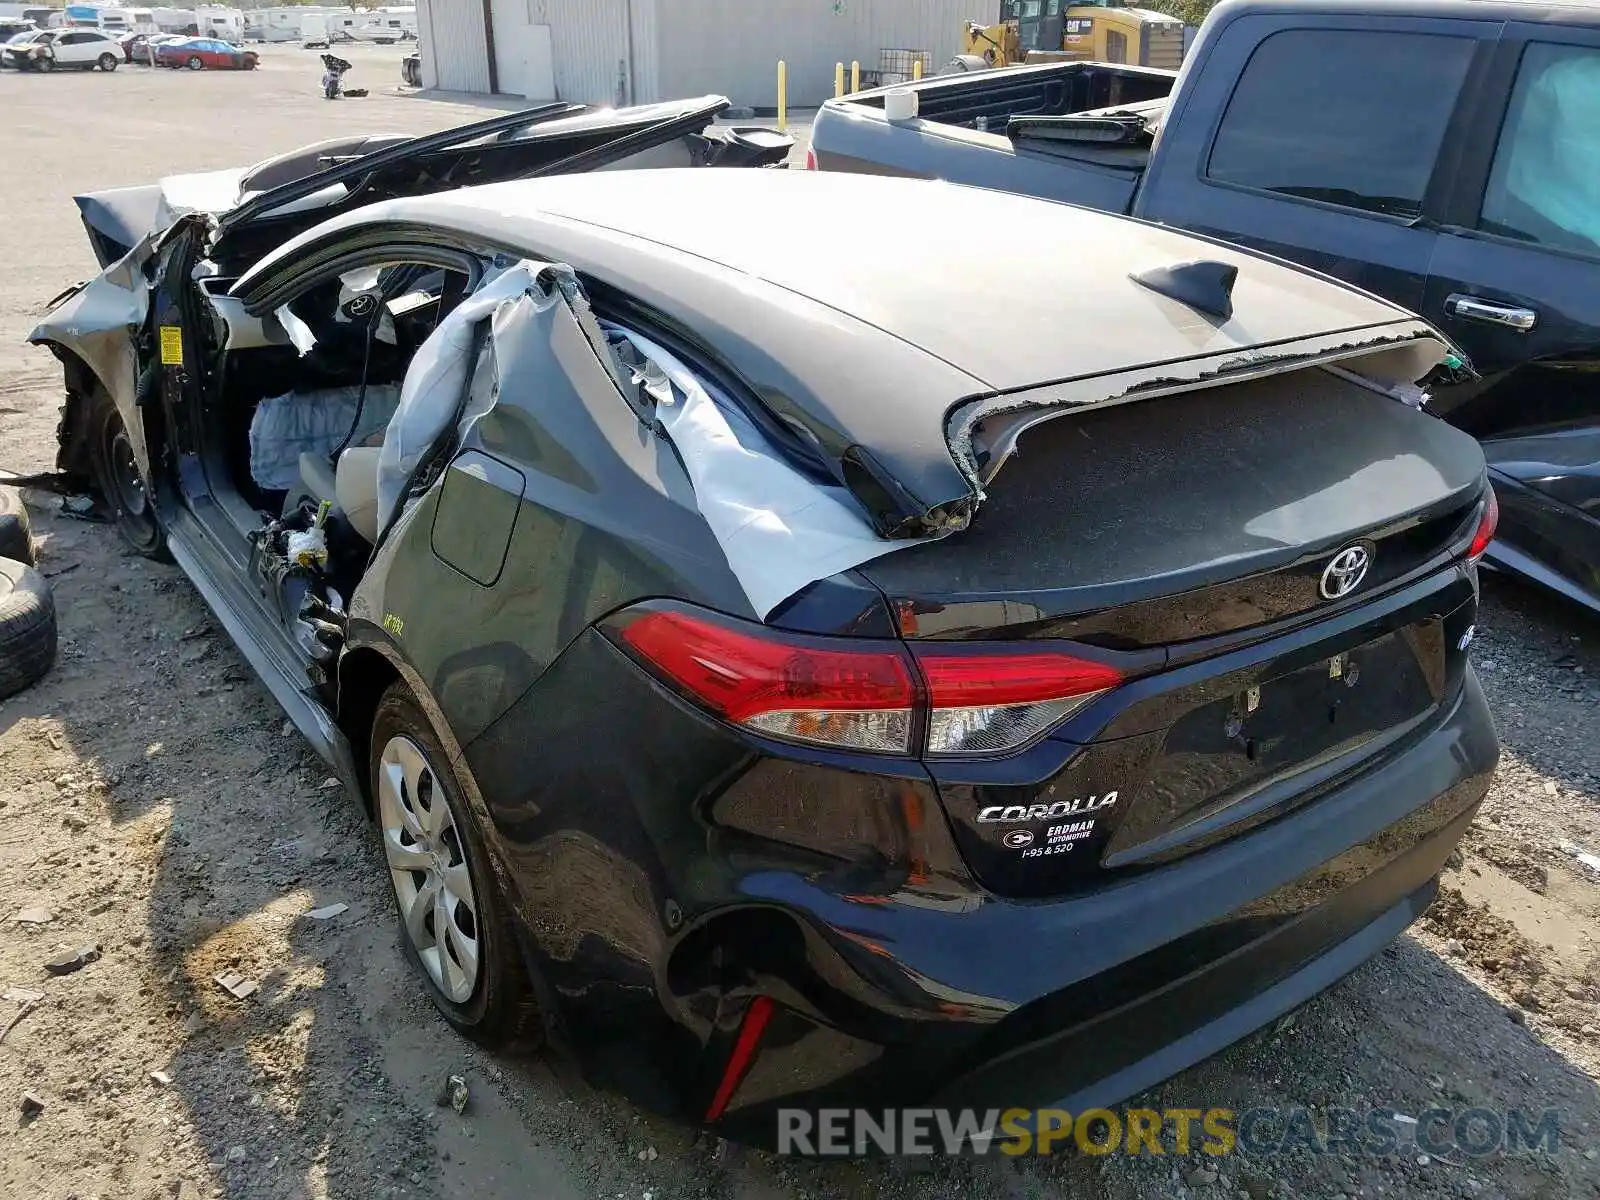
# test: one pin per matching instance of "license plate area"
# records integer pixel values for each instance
(1270, 731)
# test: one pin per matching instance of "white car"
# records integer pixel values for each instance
(52, 49)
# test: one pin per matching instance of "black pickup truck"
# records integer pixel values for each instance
(1444, 154)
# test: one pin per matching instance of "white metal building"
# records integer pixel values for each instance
(637, 51)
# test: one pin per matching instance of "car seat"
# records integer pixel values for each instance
(351, 487)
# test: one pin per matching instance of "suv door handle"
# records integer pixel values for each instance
(1509, 315)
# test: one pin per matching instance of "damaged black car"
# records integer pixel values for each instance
(781, 675)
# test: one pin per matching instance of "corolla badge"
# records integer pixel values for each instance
(1344, 572)
(1018, 814)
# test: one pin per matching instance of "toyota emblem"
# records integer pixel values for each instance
(1344, 572)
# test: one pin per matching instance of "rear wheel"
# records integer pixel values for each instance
(108, 62)
(116, 473)
(453, 920)
(195, 63)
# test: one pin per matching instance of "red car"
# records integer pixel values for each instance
(205, 54)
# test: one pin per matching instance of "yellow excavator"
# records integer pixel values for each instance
(1033, 31)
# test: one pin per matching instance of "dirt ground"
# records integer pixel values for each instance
(153, 801)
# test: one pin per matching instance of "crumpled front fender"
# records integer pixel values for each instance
(99, 325)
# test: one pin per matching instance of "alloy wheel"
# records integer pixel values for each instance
(428, 867)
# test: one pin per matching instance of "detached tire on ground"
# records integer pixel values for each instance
(27, 627)
(16, 534)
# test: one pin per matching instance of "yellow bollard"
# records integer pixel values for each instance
(838, 79)
(783, 95)
(916, 69)
(855, 77)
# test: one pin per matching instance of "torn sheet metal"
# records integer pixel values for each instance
(1389, 359)
(100, 324)
(780, 530)
(123, 215)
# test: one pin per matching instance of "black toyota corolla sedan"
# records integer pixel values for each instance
(783, 671)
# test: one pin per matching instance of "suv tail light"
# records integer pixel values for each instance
(1487, 523)
(860, 694)
(811, 159)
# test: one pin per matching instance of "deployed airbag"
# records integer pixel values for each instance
(438, 375)
(312, 422)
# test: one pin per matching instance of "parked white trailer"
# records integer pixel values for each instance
(176, 20)
(44, 18)
(219, 22)
(278, 24)
(116, 21)
(314, 30)
(401, 23)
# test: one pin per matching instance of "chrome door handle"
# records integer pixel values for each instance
(1474, 309)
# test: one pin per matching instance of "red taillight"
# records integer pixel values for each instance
(1486, 527)
(983, 702)
(751, 1028)
(811, 159)
(866, 695)
(806, 689)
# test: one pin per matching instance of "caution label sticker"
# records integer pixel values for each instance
(171, 346)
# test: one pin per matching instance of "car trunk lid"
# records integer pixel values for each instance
(1154, 523)
(1196, 540)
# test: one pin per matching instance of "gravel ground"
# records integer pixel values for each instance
(153, 802)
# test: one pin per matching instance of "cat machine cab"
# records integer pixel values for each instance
(1034, 31)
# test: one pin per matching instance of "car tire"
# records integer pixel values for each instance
(108, 62)
(116, 474)
(44, 64)
(16, 532)
(422, 817)
(27, 627)
(195, 63)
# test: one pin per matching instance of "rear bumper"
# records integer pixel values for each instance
(663, 886)
(1135, 984)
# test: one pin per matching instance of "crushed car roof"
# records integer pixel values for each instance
(887, 252)
(837, 299)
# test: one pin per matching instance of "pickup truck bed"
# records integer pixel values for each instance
(994, 129)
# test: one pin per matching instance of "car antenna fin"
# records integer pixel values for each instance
(1202, 283)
